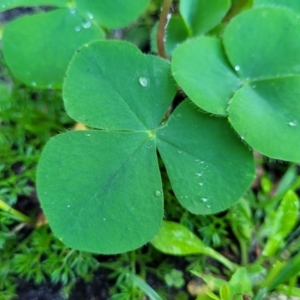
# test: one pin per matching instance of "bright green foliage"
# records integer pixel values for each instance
(38, 48)
(281, 223)
(176, 239)
(262, 97)
(108, 182)
(203, 15)
(292, 4)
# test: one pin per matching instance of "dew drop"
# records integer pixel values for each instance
(72, 11)
(202, 162)
(69, 206)
(293, 123)
(204, 199)
(199, 174)
(49, 86)
(143, 81)
(86, 25)
(33, 83)
(237, 68)
(241, 137)
(179, 151)
(208, 206)
(254, 86)
(158, 193)
(90, 15)
(52, 202)
(87, 134)
(77, 28)
(201, 183)
(45, 193)
(104, 219)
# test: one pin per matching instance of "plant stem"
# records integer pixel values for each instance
(18, 215)
(163, 19)
(221, 258)
(244, 253)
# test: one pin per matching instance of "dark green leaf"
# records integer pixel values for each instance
(209, 168)
(202, 70)
(121, 87)
(101, 191)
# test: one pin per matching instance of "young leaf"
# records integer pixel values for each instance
(121, 87)
(101, 191)
(35, 47)
(283, 222)
(201, 152)
(202, 70)
(176, 239)
(203, 15)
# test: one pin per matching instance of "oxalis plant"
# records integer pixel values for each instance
(101, 188)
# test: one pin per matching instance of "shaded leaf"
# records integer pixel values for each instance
(38, 48)
(203, 15)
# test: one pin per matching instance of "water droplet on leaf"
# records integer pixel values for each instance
(86, 25)
(293, 123)
(204, 199)
(90, 15)
(77, 28)
(158, 193)
(69, 206)
(143, 81)
(33, 83)
(237, 68)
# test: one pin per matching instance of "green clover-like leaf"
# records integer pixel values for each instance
(259, 87)
(101, 189)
